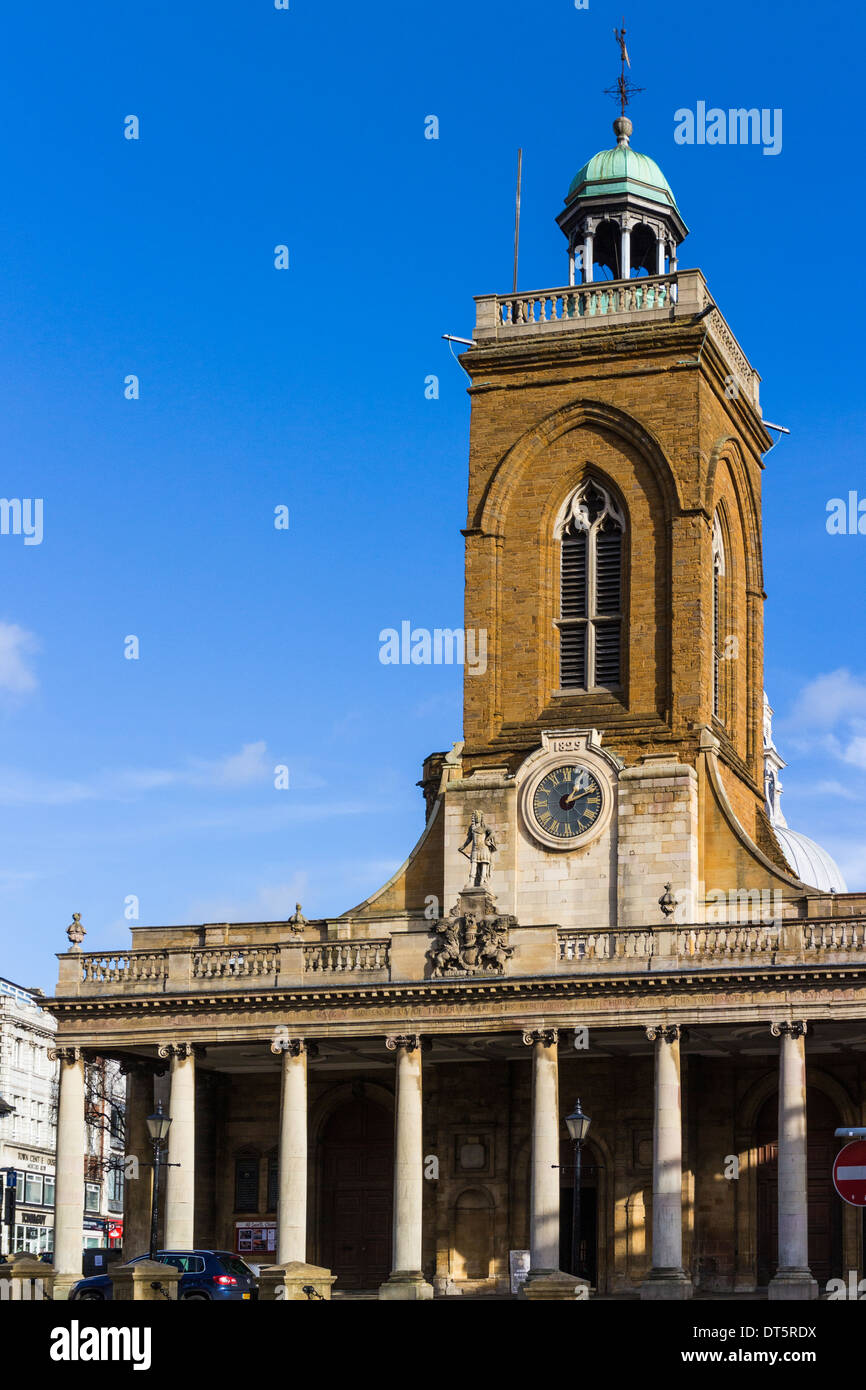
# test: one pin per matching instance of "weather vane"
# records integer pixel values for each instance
(624, 90)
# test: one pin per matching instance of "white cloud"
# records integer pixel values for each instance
(241, 769)
(270, 902)
(836, 789)
(855, 752)
(16, 645)
(829, 700)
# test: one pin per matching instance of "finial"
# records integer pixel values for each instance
(76, 932)
(667, 901)
(297, 921)
(622, 129)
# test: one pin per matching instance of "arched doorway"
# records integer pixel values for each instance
(590, 1170)
(825, 1207)
(356, 1165)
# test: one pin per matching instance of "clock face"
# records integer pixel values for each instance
(567, 802)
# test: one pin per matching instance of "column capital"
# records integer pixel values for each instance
(139, 1066)
(180, 1049)
(295, 1046)
(792, 1028)
(411, 1042)
(668, 1032)
(548, 1036)
(67, 1054)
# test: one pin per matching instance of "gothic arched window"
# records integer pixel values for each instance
(718, 600)
(590, 530)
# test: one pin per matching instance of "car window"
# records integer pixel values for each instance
(180, 1262)
(232, 1265)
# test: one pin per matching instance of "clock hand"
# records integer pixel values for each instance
(576, 791)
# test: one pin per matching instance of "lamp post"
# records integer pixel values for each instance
(578, 1128)
(157, 1127)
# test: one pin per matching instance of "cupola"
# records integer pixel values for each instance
(621, 215)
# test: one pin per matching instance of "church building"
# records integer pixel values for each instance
(605, 914)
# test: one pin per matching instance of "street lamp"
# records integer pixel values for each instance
(578, 1128)
(157, 1127)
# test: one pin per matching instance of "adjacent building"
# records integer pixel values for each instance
(28, 1134)
(28, 1082)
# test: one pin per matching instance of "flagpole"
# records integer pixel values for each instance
(517, 216)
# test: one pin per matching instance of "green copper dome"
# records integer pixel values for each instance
(622, 170)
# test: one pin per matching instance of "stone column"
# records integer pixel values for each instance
(407, 1278)
(793, 1278)
(292, 1194)
(545, 1279)
(667, 1278)
(138, 1175)
(625, 251)
(587, 257)
(660, 254)
(69, 1171)
(180, 1172)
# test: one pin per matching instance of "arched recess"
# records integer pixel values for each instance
(727, 454)
(472, 1220)
(725, 635)
(638, 1235)
(580, 414)
(602, 1178)
(341, 1202)
(728, 450)
(512, 545)
(747, 1147)
(596, 1207)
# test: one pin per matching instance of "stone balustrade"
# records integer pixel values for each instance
(676, 297)
(121, 967)
(716, 943)
(342, 957)
(539, 951)
(235, 962)
(819, 938)
(606, 945)
(602, 300)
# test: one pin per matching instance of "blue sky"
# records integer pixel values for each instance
(305, 388)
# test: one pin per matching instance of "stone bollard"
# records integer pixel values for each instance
(295, 1282)
(25, 1279)
(147, 1281)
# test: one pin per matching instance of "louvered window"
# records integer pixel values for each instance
(590, 531)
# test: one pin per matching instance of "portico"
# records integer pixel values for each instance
(414, 1161)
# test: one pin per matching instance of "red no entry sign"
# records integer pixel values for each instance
(849, 1173)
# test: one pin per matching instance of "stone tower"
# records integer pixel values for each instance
(614, 740)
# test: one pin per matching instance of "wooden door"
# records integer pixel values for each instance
(356, 1164)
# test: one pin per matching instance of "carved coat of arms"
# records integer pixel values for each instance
(471, 942)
